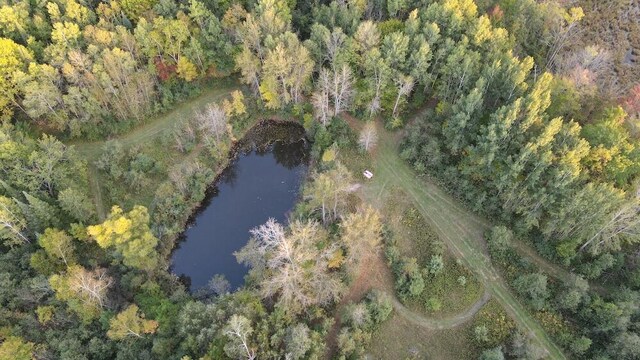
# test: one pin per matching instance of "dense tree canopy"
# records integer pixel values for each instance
(510, 120)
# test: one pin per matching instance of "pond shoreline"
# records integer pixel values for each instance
(236, 146)
(261, 137)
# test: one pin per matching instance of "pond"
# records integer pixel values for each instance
(262, 181)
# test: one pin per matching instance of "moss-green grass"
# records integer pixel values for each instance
(400, 339)
(416, 238)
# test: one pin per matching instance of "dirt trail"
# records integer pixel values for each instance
(374, 273)
(91, 150)
(440, 324)
(160, 123)
(96, 191)
(459, 228)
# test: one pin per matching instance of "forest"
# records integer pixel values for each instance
(502, 220)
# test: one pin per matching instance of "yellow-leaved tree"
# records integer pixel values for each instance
(186, 69)
(362, 234)
(13, 58)
(129, 234)
(130, 322)
(15, 348)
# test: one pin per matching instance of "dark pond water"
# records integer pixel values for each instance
(262, 182)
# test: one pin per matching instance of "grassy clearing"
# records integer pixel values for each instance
(154, 140)
(461, 230)
(163, 156)
(416, 238)
(414, 332)
(401, 339)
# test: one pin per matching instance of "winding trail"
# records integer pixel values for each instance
(459, 228)
(96, 191)
(439, 324)
(150, 129)
(374, 273)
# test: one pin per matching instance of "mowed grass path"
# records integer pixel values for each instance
(459, 228)
(157, 124)
(148, 131)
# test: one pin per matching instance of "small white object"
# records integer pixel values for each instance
(368, 174)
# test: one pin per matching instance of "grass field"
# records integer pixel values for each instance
(461, 230)
(416, 238)
(399, 339)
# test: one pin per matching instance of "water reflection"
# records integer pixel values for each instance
(262, 182)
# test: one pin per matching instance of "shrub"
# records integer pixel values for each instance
(534, 288)
(498, 239)
(433, 304)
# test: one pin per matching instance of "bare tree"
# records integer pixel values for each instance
(292, 265)
(238, 330)
(320, 98)
(586, 67)
(91, 286)
(368, 136)
(10, 223)
(342, 89)
(405, 86)
(334, 87)
(219, 285)
(212, 121)
(185, 137)
(622, 226)
(563, 30)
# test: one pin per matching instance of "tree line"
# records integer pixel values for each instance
(509, 134)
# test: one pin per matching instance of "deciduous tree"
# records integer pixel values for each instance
(534, 287)
(404, 86)
(368, 136)
(16, 348)
(292, 265)
(212, 122)
(76, 204)
(327, 192)
(130, 322)
(238, 332)
(13, 57)
(13, 223)
(362, 234)
(58, 245)
(85, 291)
(129, 234)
